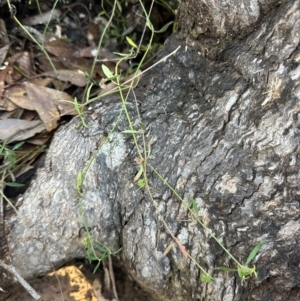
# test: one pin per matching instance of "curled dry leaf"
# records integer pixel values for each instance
(4, 42)
(23, 62)
(7, 105)
(50, 104)
(18, 130)
(3, 52)
(75, 77)
(18, 95)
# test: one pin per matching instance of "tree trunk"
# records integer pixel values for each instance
(224, 118)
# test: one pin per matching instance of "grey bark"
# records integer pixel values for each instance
(226, 133)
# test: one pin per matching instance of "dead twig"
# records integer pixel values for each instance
(24, 283)
(112, 276)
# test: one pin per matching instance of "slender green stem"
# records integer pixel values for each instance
(186, 205)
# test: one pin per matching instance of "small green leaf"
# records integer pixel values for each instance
(79, 111)
(164, 28)
(253, 253)
(79, 181)
(143, 127)
(76, 105)
(244, 271)
(116, 252)
(195, 206)
(96, 268)
(86, 242)
(131, 43)
(12, 184)
(206, 278)
(225, 269)
(99, 247)
(106, 71)
(119, 7)
(141, 183)
(92, 258)
(18, 145)
(130, 132)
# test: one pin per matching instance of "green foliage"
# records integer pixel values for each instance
(195, 206)
(12, 160)
(79, 182)
(206, 278)
(253, 253)
(97, 251)
(244, 271)
(141, 183)
(13, 184)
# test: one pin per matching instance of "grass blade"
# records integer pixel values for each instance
(253, 252)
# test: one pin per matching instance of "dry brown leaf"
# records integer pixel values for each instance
(42, 81)
(23, 63)
(61, 86)
(60, 48)
(7, 105)
(10, 77)
(75, 77)
(3, 74)
(40, 139)
(26, 155)
(84, 52)
(104, 56)
(18, 95)
(4, 42)
(3, 53)
(18, 130)
(28, 115)
(42, 18)
(45, 65)
(50, 104)
(12, 114)
(23, 169)
(83, 64)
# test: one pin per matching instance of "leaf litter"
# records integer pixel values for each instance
(38, 86)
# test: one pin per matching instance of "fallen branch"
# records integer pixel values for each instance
(25, 284)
